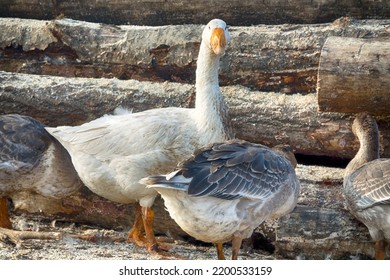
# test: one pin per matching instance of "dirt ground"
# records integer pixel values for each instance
(82, 242)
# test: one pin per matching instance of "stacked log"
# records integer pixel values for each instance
(354, 76)
(160, 12)
(281, 58)
(260, 117)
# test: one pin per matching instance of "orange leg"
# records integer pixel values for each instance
(236, 245)
(5, 222)
(136, 234)
(220, 254)
(380, 250)
(152, 245)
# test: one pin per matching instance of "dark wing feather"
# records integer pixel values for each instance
(217, 173)
(236, 169)
(258, 164)
(199, 185)
(23, 140)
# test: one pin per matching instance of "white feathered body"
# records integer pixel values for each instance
(111, 154)
(217, 220)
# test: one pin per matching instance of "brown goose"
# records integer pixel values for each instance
(111, 154)
(226, 190)
(33, 160)
(367, 183)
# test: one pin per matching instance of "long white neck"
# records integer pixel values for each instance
(211, 114)
(206, 72)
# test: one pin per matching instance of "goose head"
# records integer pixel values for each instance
(364, 124)
(216, 36)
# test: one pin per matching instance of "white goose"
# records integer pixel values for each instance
(111, 154)
(227, 189)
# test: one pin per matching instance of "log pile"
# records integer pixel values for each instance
(281, 60)
(262, 117)
(67, 71)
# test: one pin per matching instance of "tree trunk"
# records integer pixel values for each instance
(159, 12)
(320, 227)
(354, 76)
(281, 58)
(86, 207)
(322, 233)
(260, 117)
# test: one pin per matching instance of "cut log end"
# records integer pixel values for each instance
(354, 76)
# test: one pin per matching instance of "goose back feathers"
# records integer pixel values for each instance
(31, 159)
(234, 171)
(227, 189)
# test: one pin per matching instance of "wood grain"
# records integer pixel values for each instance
(354, 76)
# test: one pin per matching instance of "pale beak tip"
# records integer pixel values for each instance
(219, 50)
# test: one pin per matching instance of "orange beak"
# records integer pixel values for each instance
(218, 41)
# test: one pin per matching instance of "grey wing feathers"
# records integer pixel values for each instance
(23, 140)
(236, 169)
(371, 183)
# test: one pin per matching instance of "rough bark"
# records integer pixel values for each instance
(282, 58)
(88, 208)
(320, 227)
(159, 12)
(261, 117)
(321, 233)
(354, 76)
